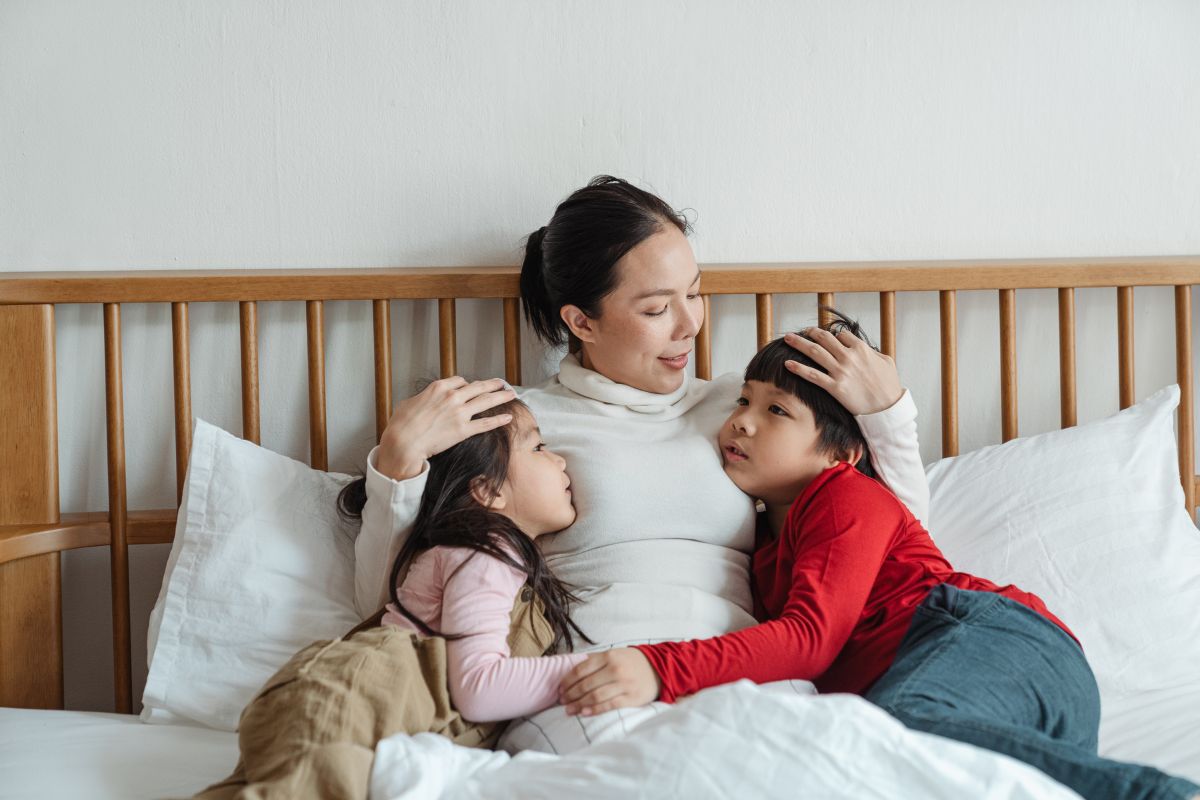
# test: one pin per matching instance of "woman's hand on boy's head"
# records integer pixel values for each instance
(436, 418)
(613, 679)
(859, 377)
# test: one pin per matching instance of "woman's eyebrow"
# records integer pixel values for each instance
(666, 292)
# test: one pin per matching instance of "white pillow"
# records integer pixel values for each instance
(1091, 519)
(261, 566)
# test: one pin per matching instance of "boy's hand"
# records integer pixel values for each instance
(861, 378)
(613, 679)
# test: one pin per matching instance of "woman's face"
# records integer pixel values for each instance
(646, 327)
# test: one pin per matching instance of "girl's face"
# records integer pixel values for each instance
(536, 495)
(769, 444)
(644, 334)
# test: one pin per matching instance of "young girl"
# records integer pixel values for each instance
(859, 599)
(461, 645)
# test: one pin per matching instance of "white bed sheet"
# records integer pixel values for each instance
(82, 754)
(1160, 728)
(737, 740)
(74, 754)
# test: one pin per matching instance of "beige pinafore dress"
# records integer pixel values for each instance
(312, 729)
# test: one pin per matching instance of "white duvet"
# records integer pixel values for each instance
(739, 740)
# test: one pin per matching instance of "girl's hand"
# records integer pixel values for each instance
(437, 418)
(612, 679)
(861, 378)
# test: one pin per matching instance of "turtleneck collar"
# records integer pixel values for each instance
(593, 385)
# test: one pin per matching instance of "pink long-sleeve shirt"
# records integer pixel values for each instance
(455, 590)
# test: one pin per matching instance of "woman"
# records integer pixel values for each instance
(652, 556)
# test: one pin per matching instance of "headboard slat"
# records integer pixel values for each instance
(1183, 374)
(118, 543)
(512, 341)
(1008, 364)
(318, 442)
(949, 325)
(887, 323)
(1066, 357)
(182, 368)
(825, 300)
(382, 310)
(251, 423)
(447, 337)
(764, 322)
(1128, 396)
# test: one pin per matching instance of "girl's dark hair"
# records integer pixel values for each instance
(839, 432)
(450, 516)
(572, 260)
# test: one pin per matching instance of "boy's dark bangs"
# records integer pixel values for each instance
(835, 422)
(767, 366)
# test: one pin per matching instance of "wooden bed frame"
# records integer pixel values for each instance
(33, 532)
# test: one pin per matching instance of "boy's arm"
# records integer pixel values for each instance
(842, 539)
(892, 436)
(486, 683)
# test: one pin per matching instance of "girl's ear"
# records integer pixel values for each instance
(578, 323)
(483, 494)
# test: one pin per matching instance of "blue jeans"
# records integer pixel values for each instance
(983, 669)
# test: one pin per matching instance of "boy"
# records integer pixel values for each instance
(854, 595)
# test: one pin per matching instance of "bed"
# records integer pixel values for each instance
(1150, 715)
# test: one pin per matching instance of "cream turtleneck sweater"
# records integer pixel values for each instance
(660, 549)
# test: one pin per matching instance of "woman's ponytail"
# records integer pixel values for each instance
(535, 296)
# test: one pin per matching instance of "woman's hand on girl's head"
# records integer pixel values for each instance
(859, 377)
(436, 418)
(613, 679)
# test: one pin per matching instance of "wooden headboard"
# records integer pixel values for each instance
(33, 532)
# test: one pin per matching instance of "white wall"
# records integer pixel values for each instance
(305, 133)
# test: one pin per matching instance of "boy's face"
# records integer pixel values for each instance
(769, 444)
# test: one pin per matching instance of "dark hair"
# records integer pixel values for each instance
(839, 432)
(450, 516)
(572, 260)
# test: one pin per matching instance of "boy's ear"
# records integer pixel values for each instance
(579, 323)
(853, 455)
(485, 497)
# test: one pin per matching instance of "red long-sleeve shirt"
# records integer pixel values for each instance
(838, 589)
